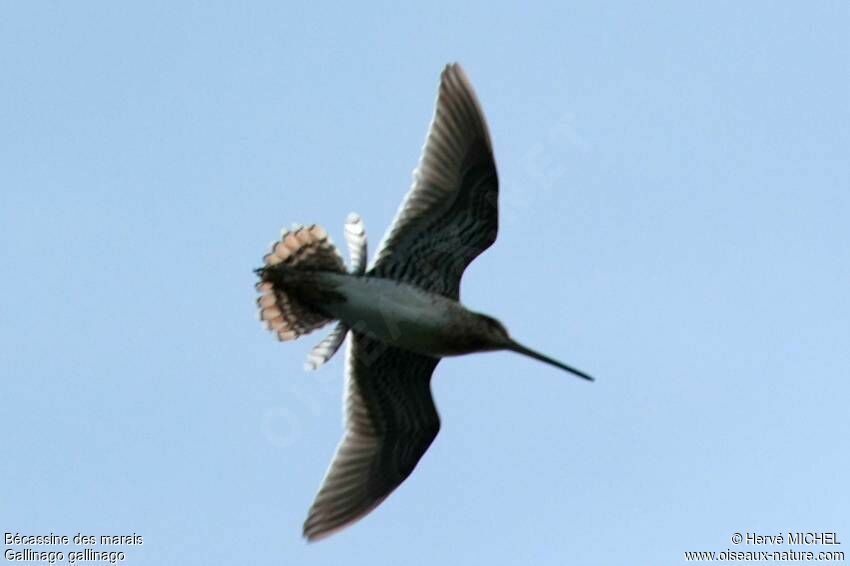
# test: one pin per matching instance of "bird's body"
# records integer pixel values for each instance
(403, 314)
(396, 313)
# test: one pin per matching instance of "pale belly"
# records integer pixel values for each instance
(398, 314)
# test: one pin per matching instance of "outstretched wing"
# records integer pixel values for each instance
(390, 421)
(450, 214)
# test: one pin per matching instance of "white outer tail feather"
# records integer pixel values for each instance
(325, 350)
(355, 237)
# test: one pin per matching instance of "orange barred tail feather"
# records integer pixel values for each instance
(299, 249)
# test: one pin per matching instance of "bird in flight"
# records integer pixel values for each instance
(402, 313)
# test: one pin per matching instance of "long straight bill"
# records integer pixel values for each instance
(520, 349)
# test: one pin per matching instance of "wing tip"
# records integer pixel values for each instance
(318, 528)
(454, 67)
(454, 78)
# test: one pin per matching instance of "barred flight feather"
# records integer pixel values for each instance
(450, 214)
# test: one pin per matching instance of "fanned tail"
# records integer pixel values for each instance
(298, 250)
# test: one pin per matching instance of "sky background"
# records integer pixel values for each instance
(675, 217)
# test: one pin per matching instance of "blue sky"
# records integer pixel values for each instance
(674, 206)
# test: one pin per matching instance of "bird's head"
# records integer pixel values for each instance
(492, 332)
(493, 335)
